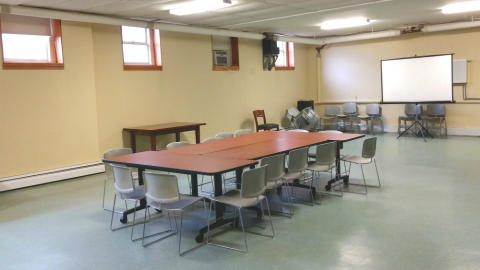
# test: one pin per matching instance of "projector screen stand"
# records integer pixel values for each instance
(414, 125)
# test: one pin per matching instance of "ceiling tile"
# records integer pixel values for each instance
(13, 2)
(82, 5)
(220, 21)
(43, 3)
(245, 7)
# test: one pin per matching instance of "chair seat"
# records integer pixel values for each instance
(365, 117)
(184, 201)
(407, 118)
(232, 197)
(292, 176)
(274, 184)
(312, 166)
(356, 159)
(137, 194)
(264, 126)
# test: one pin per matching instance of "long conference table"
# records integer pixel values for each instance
(225, 155)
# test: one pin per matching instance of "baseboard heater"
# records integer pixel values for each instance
(43, 177)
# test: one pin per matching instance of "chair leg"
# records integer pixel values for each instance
(270, 217)
(243, 230)
(365, 183)
(378, 177)
(113, 211)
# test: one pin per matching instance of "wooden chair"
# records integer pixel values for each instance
(265, 125)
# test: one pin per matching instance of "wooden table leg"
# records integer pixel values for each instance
(132, 142)
(177, 136)
(153, 142)
(194, 183)
(197, 134)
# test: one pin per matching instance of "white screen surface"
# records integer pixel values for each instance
(419, 79)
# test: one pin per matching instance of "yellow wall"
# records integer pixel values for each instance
(49, 117)
(351, 71)
(56, 118)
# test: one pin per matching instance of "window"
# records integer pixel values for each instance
(141, 48)
(31, 43)
(225, 53)
(285, 60)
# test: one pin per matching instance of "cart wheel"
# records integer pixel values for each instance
(328, 187)
(124, 219)
(199, 238)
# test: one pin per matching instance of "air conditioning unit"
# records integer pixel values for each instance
(221, 58)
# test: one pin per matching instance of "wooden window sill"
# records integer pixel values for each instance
(284, 68)
(225, 68)
(141, 67)
(20, 65)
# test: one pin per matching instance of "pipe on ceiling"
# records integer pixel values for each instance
(90, 18)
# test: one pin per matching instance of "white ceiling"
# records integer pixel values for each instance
(289, 17)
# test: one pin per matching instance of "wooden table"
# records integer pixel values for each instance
(161, 129)
(217, 157)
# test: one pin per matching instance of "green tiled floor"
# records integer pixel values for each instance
(425, 216)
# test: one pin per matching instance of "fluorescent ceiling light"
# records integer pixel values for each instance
(344, 23)
(461, 7)
(199, 6)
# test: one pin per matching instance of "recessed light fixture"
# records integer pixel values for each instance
(461, 7)
(199, 6)
(335, 24)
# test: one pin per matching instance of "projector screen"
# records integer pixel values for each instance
(418, 79)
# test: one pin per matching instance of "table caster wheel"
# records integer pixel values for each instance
(158, 210)
(124, 219)
(199, 238)
(345, 181)
(328, 187)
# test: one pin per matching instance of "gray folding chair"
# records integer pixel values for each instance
(325, 158)
(224, 135)
(331, 113)
(275, 173)
(242, 132)
(127, 191)
(436, 113)
(254, 185)
(177, 144)
(298, 130)
(163, 194)
(368, 155)
(413, 112)
(374, 114)
(108, 169)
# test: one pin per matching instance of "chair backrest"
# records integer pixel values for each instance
(332, 110)
(257, 114)
(374, 109)
(369, 147)
(436, 110)
(275, 168)
(241, 132)
(211, 139)
(224, 135)
(254, 182)
(123, 179)
(298, 130)
(326, 153)
(413, 109)
(298, 160)
(177, 144)
(161, 188)
(349, 108)
(330, 131)
(114, 153)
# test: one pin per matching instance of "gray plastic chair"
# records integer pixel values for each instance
(298, 130)
(325, 158)
(242, 132)
(436, 113)
(349, 116)
(224, 135)
(368, 155)
(254, 185)
(108, 169)
(127, 191)
(297, 163)
(163, 194)
(211, 139)
(413, 112)
(374, 113)
(331, 113)
(177, 144)
(275, 173)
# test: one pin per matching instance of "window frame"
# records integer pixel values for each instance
(290, 55)
(155, 52)
(235, 64)
(56, 47)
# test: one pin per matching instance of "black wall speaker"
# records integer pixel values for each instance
(270, 47)
(302, 104)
